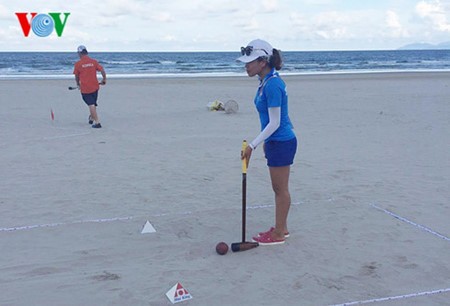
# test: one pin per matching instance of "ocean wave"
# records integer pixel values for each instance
(123, 62)
(166, 62)
(141, 62)
(161, 63)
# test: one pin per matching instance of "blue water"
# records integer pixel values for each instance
(129, 64)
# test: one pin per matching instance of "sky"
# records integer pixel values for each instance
(226, 25)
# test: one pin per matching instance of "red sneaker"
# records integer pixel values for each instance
(286, 234)
(268, 240)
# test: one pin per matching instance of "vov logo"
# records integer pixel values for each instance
(42, 24)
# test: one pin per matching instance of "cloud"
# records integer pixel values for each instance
(4, 13)
(116, 8)
(162, 17)
(224, 24)
(330, 25)
(394, 26)
(248, 25)
(392, 20)
(270, 6)
(436, 13)
(425, 9)
(348, 29)
(169, 38)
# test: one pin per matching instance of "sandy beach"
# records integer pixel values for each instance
(370, 192)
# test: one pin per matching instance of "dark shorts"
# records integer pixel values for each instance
(280, 153)
(90, 98)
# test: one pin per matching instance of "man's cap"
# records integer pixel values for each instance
(81, 48)
(255, 49)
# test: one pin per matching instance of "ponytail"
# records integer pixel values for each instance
(276, 60)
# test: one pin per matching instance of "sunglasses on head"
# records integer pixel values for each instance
(249, 49)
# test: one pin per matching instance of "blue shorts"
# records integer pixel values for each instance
(90, 98)
(280, 153)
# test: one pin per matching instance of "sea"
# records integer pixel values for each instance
(56, 65)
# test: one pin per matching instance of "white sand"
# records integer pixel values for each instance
(375, 139)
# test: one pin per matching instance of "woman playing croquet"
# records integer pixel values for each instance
(277, 135)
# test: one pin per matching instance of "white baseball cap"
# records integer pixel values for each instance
(81, 48)
(255, 49)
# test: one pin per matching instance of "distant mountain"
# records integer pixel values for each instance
(426, 46)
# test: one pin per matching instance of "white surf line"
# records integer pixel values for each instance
(422, 227)
(398, 297)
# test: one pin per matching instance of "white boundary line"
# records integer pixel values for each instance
(422, 227)
(66, 136)
(406, 296)
(270, 205)
(29, 227)
(105, 220)
(392, 298)
(26, 141)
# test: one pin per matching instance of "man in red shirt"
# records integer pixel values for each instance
(85, 72)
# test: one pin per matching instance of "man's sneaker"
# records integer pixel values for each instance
(90, 120)
(97, 126)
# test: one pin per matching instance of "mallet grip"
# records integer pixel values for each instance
(244, 161)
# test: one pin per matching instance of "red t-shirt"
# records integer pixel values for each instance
(86, 69)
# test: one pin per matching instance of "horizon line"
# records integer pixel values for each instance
(221, 51)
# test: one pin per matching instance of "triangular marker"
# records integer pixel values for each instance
(148, 228)
(178, 294)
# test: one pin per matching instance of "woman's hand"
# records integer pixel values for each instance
(247, 154)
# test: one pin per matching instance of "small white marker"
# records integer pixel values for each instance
(148, 228)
